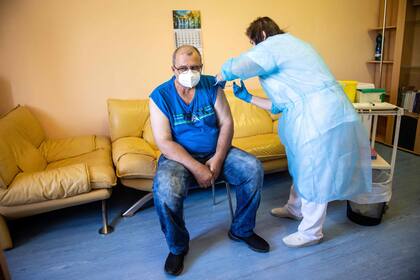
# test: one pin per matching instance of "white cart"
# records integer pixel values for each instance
(382, 171)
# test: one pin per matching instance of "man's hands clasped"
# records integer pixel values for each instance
(206, 174)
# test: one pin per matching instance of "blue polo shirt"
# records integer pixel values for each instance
(193, 126)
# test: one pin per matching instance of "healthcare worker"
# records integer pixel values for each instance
(326, 144)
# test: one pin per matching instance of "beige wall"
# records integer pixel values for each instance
(64, 59)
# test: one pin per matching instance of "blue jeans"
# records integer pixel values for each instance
(170, 188)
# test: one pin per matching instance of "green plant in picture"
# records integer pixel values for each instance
(186, 19)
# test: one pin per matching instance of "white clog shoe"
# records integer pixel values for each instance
(296, 240)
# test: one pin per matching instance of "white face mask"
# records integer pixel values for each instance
(189, 79)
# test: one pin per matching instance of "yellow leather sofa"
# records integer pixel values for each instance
(135, 154)
(39, 174)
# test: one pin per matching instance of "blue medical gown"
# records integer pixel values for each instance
(326, 144)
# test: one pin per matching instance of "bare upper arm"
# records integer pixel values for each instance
(160, 124)
(222, 109)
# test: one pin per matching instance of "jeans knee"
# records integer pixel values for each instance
(244, 168)
(256, 169)
(170, 183)
(254, 174)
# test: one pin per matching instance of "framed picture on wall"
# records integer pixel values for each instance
(186, 19)
(187, 28)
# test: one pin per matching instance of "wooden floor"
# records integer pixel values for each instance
(65, 244)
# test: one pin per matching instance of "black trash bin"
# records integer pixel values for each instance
(366, 214)
(367, 209)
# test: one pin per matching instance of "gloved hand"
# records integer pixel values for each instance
(241, 92)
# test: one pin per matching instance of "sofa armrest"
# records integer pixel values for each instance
(131, 145)
(33, 187)
(58, 149)
(134, 157)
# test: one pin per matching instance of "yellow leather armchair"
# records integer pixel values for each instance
(135, 154)
(39, 175)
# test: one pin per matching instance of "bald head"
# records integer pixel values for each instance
(185, 50)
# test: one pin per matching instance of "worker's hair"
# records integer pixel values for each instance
(188, 49)
(266, 24)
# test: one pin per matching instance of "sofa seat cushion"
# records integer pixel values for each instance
(33, 187)
(101, 171)
(264, 147)
(58, 149)
(134, 157)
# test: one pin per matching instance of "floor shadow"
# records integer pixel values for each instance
(210, 238)
(25, 229)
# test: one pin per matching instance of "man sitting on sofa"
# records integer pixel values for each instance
(193, 128)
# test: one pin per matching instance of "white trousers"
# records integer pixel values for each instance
(313, 215)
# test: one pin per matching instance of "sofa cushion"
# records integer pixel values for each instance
(8, 166)
(260, 93)
(248, 119)
(276, 127)
(101, 171)
(127, 117)
(33, 187)
(27, 157)
(133, 157)
(136, 166)
(26, 125)
(264, 147)
(58, 149)
(131, 145)
(17, 152)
